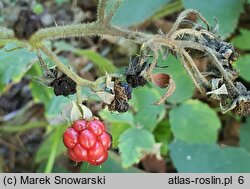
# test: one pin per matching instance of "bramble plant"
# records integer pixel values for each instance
(188, 39)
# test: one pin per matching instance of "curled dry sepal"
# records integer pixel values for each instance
(217, 78)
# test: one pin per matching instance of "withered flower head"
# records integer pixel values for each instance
(116, 95)
(61, 83)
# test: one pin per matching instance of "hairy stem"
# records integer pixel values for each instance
(188, 70)
(78, 94)
(95, 28)
(112, 12)
(101, 10)
(184, 15)
(196, 70)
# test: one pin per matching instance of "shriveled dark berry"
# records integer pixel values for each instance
(63, 86)
(27, 24)
(122, 95)
(121, 106)
(134, 71)
(128, 89)
(136, 81)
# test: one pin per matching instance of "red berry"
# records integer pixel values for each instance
(80, 153)
(105, 139)
(96, 126)
(70, 138)
(80, 125)
(96, 152)
(72, 155)
(100, 160)
(87, 139)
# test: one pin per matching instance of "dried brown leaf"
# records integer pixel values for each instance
(160, 79)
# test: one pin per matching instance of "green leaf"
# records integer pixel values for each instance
(2, 43)
(168, 9)
(132, 12)
(45, 149)
(111, 165)
(147, 114)
(244, 135)
(117, 128)
(243, 66)
(194, 122)
(40, 93)
(102, 63)
(119, 123)
(117, 118)
(227, 13)
(64, 46)
(184, 85)
(243, 40)
(56, 105)
(132, 143)
(209, 158)
(54, 149)
(163, 135)
(14, 64)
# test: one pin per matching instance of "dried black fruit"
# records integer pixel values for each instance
(64, 86)
(136, 81)
(134, 72)
(121, 106)
(123, 93)
(61, 83)
(27, 24)
(128, 89)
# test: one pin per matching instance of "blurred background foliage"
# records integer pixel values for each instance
(186, 134)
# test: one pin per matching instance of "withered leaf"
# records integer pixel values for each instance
(169, 92)
(160, 79)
